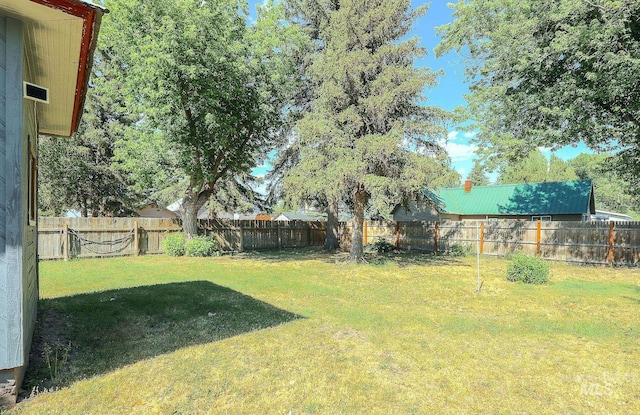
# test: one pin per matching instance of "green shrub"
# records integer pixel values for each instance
(528, 269)
(201, 246)
(459, 250)
(380, 246)
(173, 244)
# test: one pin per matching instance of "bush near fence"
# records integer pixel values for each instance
(581, 242)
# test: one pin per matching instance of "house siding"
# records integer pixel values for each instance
(11, 334)
(4, 324)
(29, 236)
(416, 212)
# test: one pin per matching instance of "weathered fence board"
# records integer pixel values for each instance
(63, 238)
(584, 242)
(60, 238)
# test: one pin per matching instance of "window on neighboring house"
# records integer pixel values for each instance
(33, 178)
(545, 218)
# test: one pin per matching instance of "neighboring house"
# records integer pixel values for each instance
(152, 210)
(204, 213)
(604, 216)
(176, 208)
(309, 217)
(46, 52)
(415, 212)
(73, 214)
(239, 216)
(549, 201)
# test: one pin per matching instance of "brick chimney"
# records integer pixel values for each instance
(468, 184)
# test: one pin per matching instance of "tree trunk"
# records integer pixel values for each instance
(332, 241)
(84, 210)
(191, 204)
(359, 203)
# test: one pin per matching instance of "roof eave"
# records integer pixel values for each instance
(84, 70)
(91, 15)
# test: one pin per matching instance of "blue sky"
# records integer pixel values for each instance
(449, 94)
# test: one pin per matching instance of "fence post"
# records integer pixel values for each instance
(481, 238)
(538, 234)
(435, 237)
(279, 235)
(397, 235)
(612, 240)
(65, 247)
(241, 236)
(364, 236)
(136, 239)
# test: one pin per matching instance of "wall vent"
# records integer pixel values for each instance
(36, 93)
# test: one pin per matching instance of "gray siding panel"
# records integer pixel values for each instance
(3, 112)
(29, 235)
(416, 212)
(11, 307)
(4, 324)
(3, 87)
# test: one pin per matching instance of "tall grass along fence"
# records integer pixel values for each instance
(66, 238)
(583, 242)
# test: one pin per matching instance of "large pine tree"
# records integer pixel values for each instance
(367, 133)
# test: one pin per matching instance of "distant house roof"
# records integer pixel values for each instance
(611, 216)
(309, 216)
(549, 198)
(152, 210)
(234, 216)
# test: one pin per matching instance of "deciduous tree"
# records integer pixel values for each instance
(612, 192)
(78, 172)
(212, 91)
(535, 169)
(551, 73)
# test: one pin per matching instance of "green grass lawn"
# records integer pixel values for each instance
(302, 333)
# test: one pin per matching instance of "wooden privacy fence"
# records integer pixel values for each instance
(583, 242)
(65, 238)
(616, 243)
(250, 235)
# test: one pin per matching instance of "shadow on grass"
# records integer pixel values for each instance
(91, 334)
(400, 258)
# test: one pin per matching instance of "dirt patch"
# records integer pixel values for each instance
(50, 353)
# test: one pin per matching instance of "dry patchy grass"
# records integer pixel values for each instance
(405, 336)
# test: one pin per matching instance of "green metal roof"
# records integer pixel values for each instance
(549, 198)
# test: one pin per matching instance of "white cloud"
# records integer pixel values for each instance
(455, 135)
(463, 172)
(545, 150)
(460, 152)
